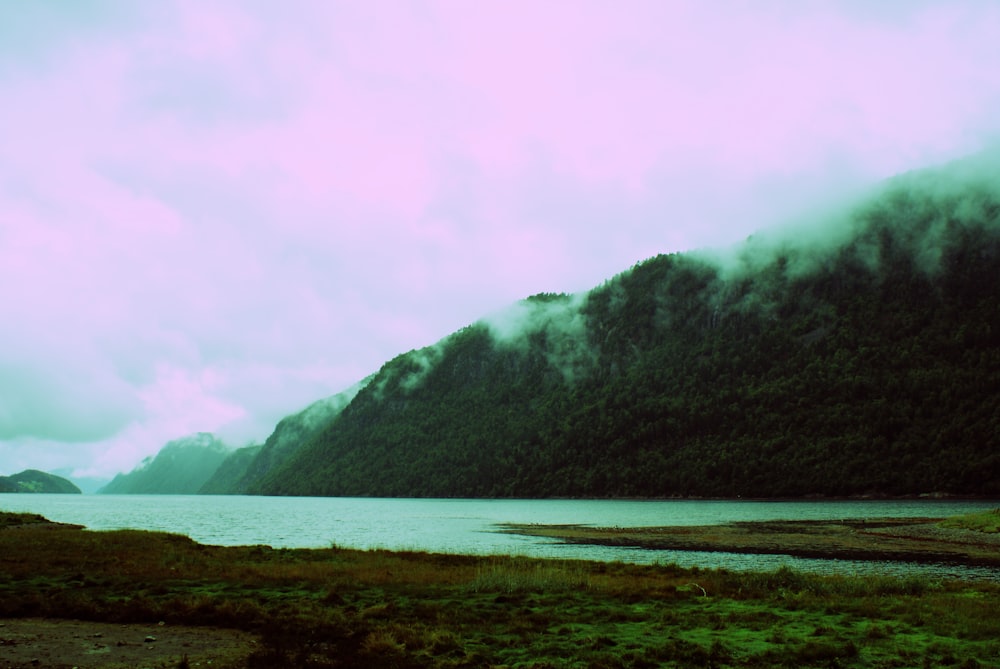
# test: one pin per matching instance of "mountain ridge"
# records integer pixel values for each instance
(784, 368)
(854, 358)
(181, 467)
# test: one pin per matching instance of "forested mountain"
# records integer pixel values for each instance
(180, 468)
(226, 478)
(243, 471)
(857, 357)
(34, 481)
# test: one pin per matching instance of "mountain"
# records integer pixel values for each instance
(856, 357)
(181, 467)
(34, 481)
(290, 433)
(87, 484)
(225, 480)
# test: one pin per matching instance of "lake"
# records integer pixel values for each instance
(470, 526)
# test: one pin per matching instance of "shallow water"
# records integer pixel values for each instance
(472, 526)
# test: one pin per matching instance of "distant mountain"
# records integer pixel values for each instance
(87, 484)
(858, 357)
(181, 467)
(34, 481)
(287, 437)
(227, 476)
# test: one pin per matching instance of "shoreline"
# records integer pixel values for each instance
(118, 598)
(920, 540)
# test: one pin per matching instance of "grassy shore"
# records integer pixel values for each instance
(346, 608)
(971, 539)
(985, 522)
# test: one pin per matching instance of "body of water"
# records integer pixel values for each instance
(471, 526)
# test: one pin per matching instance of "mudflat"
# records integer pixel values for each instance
(902, 539)
(47, 642)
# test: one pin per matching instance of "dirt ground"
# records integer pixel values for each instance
(62, 644)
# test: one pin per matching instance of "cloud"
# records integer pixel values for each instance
(926, 207)
(559, 319)
(35, 35)
(75, 405)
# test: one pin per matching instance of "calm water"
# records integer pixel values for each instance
(471, 526)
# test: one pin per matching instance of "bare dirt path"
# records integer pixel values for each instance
(61, 644)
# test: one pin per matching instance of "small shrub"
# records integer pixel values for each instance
(382, 643)
(875, 632)
(380, 611)
(443, 642)
(515, 575)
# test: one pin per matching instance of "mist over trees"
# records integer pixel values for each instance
(858, 357)
(246, 467)
(227, 476)
(181, 467)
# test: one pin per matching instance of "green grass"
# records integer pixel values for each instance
(982, 521)
(11, 519)
(507, 574)
(346, 608)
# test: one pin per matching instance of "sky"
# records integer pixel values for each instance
(213, 214)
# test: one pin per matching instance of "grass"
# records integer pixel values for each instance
(507, 574)
(982, 521)
(11, 519)
(337, 607)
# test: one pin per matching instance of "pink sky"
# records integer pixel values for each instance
(212, 214)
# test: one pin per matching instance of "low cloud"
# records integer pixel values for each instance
(922, 209)
(65, 408)
(558, 319)
(60, 395)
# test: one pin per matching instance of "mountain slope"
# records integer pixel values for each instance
(288, 436)
(34, 481)
(181, 467)
(860, 358)
(226, 477)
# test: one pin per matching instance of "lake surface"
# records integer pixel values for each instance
(471, 526)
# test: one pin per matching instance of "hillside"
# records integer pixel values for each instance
(34, 481)
(227, 476)
(181, 467)
(860, 357)
(245, 469)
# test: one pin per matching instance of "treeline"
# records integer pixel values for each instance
(34, 481)
(868, 365)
